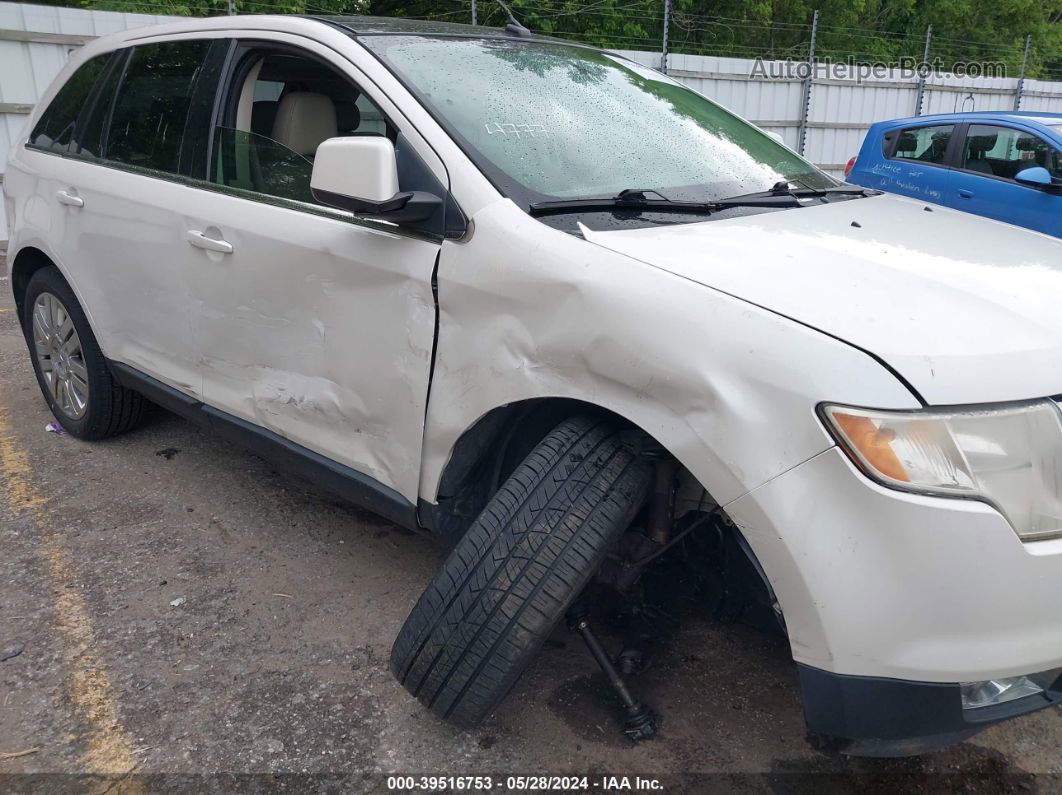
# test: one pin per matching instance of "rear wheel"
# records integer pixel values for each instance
(512, 576)
(70, 368)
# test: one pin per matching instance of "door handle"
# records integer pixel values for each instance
(965, 194)
(69, 199)
(199, 240)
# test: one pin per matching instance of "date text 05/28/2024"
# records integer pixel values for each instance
(535, 783)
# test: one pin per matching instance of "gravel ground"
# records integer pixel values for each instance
(183, 609)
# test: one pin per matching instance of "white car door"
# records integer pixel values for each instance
(123, 234)
(309, 323)
(108, 215)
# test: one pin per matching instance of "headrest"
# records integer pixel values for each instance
(908, 142)
(1029, 143)
(263, 114)
(348, 117)
(979, 144)
(304, 121)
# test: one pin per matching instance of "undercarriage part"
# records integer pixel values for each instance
(705, 567)
(742, 592)
(708, 564)
(660, 505)
(639, 721)
(621, 571)
(625, 567)
(645, 629)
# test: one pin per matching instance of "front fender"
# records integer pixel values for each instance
(728, 388)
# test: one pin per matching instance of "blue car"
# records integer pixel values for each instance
(999, 164)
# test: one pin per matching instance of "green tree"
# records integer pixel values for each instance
(865, 30)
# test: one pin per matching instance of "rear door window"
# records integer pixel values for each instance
(93, 124)
(923, 144)
(152, 105)
(55, 128)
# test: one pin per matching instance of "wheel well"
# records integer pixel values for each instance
(487, 453)
(500, 429)
(27, 262)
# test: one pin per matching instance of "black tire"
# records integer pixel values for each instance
(512, 576)
(111, 409)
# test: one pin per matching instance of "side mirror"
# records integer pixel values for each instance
(1035, 177)
(360, 175)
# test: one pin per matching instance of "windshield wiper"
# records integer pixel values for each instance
(629, 199)
(638, 199)
(784, 189)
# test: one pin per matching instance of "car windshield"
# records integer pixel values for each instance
(551, 120)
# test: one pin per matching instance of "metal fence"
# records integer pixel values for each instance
(823, 114)
(825, 118)
(35, 42)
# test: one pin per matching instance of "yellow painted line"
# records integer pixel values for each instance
(15, 467)
(108, 750)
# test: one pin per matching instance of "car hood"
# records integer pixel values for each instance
(967, 310)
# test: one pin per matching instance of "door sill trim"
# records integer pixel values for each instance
(343, 481)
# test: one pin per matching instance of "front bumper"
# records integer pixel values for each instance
(870, 716)
(886, 593)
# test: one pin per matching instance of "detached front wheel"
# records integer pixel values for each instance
(516, 571)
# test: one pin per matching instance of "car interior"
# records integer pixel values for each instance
(977, 148)
(297, 100)
(1007, 152)
(287, 106)
(916, 145)
(994, 151)
(1042, 154)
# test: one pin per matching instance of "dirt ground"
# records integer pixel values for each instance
(173, 607)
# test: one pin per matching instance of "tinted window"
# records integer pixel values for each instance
(294, 103)
(197, 131)
(90, 132)
(55, 129)
(925, 144)
(152, 104)
(1005, 151)
(256, 163)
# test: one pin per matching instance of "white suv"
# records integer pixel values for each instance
(579, 322)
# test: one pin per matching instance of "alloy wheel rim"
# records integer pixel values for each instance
(60, 356)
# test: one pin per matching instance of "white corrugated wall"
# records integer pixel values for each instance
(35, 42)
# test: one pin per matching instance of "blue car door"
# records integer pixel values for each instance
(984, 181)
(916, 162)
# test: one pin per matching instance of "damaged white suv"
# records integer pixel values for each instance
(581, 323)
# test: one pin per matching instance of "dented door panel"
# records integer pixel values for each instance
(318, 329)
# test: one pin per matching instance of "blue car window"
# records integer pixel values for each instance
(1006, 151)
(924, 144)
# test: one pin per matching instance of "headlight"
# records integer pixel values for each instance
(1010, 456)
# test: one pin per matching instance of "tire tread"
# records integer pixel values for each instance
(516, 571)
